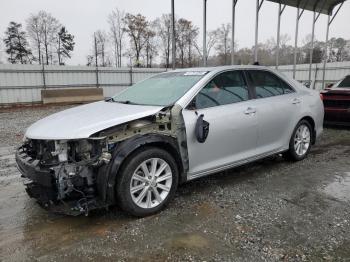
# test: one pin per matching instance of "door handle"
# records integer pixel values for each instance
(296, 101)
(250, 111)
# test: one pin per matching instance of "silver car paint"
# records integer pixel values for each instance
(83, 121)
(234, 138)
(269, 130)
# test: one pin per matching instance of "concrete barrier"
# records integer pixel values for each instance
(78, 95)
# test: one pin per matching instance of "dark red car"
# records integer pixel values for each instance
(336, 100)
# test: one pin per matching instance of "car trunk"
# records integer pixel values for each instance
(337, 105)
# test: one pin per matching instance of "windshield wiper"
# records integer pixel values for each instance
(127, 102)
(109, 99)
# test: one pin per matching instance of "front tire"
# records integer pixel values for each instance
(300, 142)
(147, 181)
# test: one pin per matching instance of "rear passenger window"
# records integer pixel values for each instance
(226, 88)
(267, 84)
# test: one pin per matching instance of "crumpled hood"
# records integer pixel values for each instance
(83, 121)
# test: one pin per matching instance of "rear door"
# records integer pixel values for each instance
(226, 105)
(277, 106)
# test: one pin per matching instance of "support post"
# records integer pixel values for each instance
(312, 45)
(173, 47)
(204, 33)
(130, 73)
(299, 14)
(256, 32)
(234, 2)
(278, 34)
(96, 61)
(315, 76)
(258, 6)
(280, 12)
(43, 72)
(325, 52)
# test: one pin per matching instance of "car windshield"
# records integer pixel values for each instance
(345, 82)
(161, 90)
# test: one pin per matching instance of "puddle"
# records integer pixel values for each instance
(340, 187)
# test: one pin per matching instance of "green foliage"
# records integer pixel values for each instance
(65, 45)
(17, 45)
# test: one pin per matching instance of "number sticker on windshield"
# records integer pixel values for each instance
(195, 73)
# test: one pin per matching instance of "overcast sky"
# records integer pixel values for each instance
(83, 17)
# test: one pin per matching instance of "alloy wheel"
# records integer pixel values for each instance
(302, 140)
(151, 183)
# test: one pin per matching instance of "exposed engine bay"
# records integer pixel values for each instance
(69, 167)
(72, 176)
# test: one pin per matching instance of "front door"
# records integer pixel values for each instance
(226, 105)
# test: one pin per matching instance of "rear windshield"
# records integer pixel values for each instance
(345, 82)
(163, 89)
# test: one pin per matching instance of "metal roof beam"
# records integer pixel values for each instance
(326, 8)
(340, 6)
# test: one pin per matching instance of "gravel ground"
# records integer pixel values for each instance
(272, 210)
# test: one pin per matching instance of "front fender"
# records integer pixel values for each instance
(107, 175)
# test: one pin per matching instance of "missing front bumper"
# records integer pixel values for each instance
(41, 184)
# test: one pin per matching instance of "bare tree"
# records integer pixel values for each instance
(34, 29)
(223, 45)
(181, 39)
(338, 50)
(191, 35)
(212, 38)
(51, 28)
(101, 44)
(90, 60)
(116, 25)
(163, 28)
(136, 27)
(43, 30)
(150, 46)
(185, 37)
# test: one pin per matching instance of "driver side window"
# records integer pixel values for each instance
(226, 88)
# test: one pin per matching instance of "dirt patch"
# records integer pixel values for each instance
(189, 241)
(272, 210)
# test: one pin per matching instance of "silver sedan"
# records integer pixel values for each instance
(136, 147)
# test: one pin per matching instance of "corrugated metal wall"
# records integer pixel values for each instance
(22, 83)
(334, 72)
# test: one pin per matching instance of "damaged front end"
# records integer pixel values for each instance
(78, 175)
(61, 175)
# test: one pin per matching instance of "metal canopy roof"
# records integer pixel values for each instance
(321, 6)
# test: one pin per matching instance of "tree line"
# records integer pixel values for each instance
(134, 40)
(44, 40)
(147, 43)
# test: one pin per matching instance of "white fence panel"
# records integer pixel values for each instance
(334, 72)
(23, 83)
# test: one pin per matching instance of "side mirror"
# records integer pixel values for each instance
(329, 86)
(202, 129)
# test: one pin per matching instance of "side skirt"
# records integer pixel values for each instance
(235, 164)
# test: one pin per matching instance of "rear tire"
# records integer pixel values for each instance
(300, 142)
(147, 182)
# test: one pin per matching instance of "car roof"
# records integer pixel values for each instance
(221, 68)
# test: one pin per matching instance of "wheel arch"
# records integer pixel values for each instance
(311, 121)
(107, 175)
